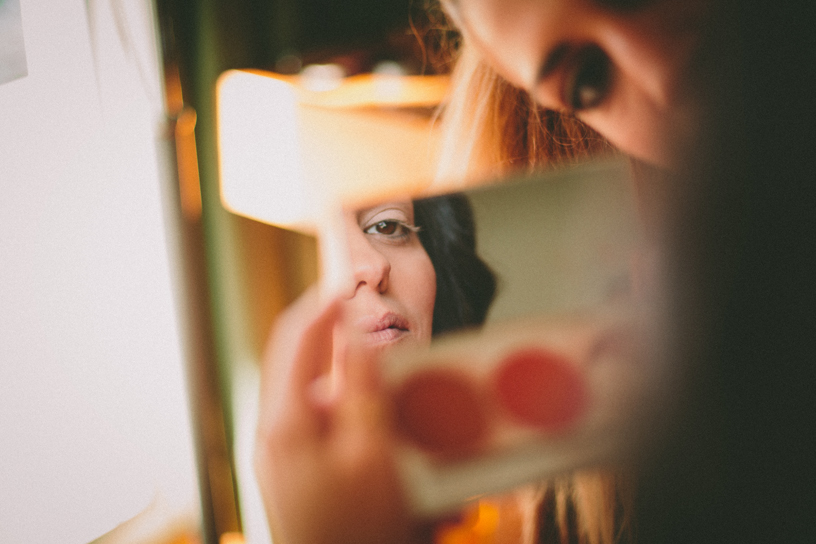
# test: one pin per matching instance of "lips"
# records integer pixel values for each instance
(384, 329)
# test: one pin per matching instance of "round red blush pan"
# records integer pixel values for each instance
(441, 411)
(541, 389)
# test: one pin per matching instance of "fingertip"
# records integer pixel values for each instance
(300, 344)
(309, 311)
(330, 290)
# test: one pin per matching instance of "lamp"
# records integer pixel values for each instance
(289, 144)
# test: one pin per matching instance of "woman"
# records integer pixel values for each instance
(668, 82)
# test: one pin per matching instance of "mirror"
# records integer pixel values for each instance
(543, 245)
(558, 243)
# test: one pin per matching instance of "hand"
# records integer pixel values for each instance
(324, 465)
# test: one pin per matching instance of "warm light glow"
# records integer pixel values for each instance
(261, 174)
(187, 164)
(232, 538)
(477, 526)
(286, 150)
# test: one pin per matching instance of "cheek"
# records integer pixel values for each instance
(416, 288)
(426, 293)
(634, 124)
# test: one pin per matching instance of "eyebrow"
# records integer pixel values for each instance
(554, 59)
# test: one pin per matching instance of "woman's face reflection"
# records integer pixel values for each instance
(391, 298)
(620, 65)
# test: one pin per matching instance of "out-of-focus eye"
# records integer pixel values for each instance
(590, 80)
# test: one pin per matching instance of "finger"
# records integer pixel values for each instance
(299, 349)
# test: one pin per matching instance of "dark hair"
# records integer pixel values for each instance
(465, 285)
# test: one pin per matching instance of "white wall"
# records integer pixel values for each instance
(94, 418)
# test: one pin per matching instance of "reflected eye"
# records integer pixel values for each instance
(591, 79)
(391, 229)
(384, 227)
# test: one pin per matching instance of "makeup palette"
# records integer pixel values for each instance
(483, 412)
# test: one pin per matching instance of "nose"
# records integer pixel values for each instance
(370, 267)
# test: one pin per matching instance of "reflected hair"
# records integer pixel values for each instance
(465, 285)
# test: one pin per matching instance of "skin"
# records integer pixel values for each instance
(645, 110)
